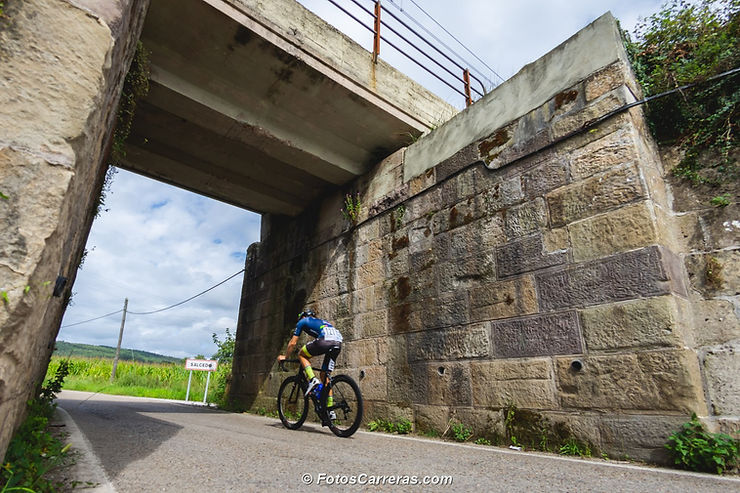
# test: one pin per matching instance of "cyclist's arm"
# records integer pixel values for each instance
(292, 346)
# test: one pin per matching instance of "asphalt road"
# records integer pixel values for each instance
(148, 445)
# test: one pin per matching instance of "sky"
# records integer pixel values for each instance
(158, 245)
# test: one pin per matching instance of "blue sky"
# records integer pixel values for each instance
(158, 245)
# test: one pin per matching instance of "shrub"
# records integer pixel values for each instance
(695, 449)
(685, 43)
(33, 451)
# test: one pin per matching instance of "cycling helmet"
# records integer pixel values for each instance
(306, 313)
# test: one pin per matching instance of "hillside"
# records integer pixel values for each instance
(64, 349)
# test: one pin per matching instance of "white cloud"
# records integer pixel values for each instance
(158, 245)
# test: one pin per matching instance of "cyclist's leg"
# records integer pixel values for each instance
(304, 356)
(332, 352)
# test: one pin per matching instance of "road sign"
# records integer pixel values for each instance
(201, 364)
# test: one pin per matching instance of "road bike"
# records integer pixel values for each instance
(347, 402)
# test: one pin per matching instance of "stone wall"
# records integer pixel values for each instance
(540, 265)
(709, 244)
(62, 65)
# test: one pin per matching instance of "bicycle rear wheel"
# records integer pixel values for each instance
(292, 404)
(347, 406)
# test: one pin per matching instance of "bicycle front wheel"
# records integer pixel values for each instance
(292, 404)
(347, 405)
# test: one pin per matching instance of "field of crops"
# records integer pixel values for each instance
(165, 381)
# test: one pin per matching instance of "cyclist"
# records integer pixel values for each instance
(326, 337)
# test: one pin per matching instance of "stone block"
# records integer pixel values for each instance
(464, 212)
(601, 193)
(428, 419)
(363, 300)
(722, 226)
(491, 147)
(547, 176)
(722, 367)
(423, 181)
(538, 335)
(422, 260)
(666, 380)
(525, 219)
(650, 322)
(527, 384)
(448, 309)
(465, 273)
(715, 321)
(715, 274)
(386, 177)
(504, 194)
(456, 162)
(448, 384)
(360, 353)
(369, 274)
(398, 263)
(641, 437)
(526, 255)
(406, 317)
(371, 324)
(374, 383)
(606, 80)
(369, 231)
(471, 341)
(485, 423)
(573, 121)
(612, 150)
(630, 275)
(503, 299)
(628, 228)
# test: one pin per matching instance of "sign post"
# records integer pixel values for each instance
(199, 365)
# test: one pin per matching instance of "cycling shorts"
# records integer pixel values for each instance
(322, 346)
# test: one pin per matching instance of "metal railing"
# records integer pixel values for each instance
(462, 79)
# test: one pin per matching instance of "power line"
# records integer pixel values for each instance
(399, 7)
(191, 298)
(92, 319)
(159, 310)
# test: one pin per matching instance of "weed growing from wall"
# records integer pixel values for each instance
(682, 44)
(352, 208)
(693, 448)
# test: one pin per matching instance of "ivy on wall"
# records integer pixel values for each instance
(135, 87)
(684, 43)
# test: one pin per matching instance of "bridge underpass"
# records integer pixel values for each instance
(258, 104)
(266, 110)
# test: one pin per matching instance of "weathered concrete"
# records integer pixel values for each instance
(61, 68)
(266, 106)
(509, 259)
(534, 85)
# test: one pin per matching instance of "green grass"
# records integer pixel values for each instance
(164, 381)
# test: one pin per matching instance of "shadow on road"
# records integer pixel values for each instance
(118, 427)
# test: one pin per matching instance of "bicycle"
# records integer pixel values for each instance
(293, 402)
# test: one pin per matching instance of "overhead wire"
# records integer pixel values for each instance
(160, 309)
(426, 30)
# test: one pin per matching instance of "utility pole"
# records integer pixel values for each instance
(120, 337)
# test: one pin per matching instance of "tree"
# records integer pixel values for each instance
(225, 353)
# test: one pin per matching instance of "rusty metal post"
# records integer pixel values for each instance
(376, 41)
(466, 79)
